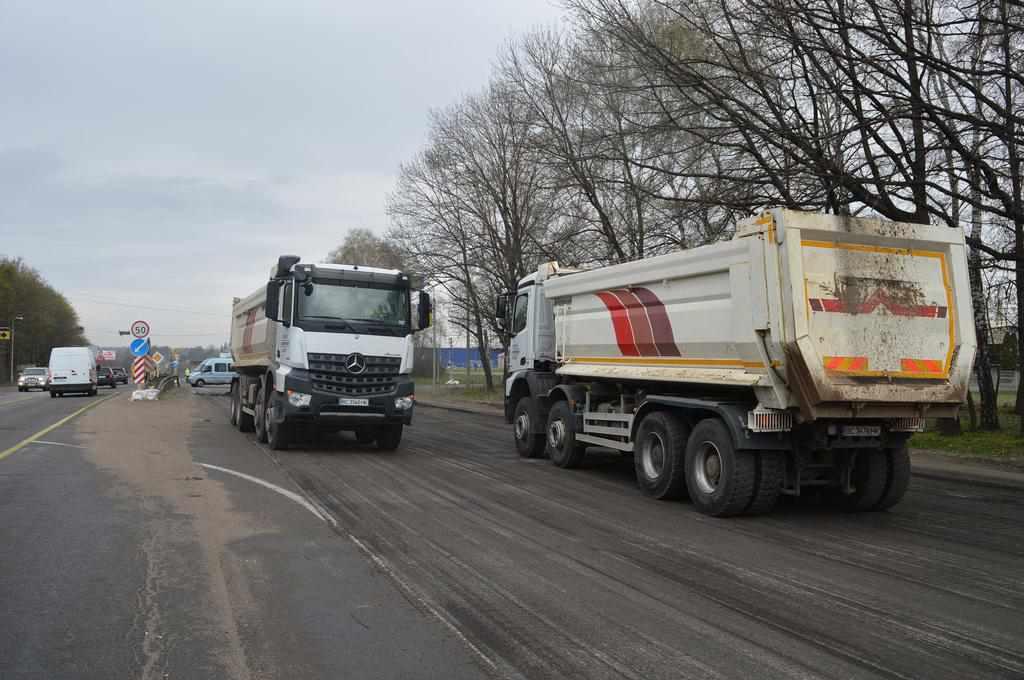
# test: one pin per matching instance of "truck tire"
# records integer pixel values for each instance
(236, 403)
(720, 478)
(246, 422)
(870, 479)
(659, 456)
(898, 480)
(528, 444)
(562, 448)
(771, 466)
(389, 437)
(278, 434)
(53, 395)
(365, 435)
(261, 413)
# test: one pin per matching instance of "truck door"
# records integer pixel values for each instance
(519, 348)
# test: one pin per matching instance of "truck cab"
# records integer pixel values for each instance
(327, 346)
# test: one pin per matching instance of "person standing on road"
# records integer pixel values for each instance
(188, 372)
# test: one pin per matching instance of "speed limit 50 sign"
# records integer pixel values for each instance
(140, 329)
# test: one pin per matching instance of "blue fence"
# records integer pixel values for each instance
(455, 357)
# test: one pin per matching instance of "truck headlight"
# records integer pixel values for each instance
(299, 399)
(404, 403)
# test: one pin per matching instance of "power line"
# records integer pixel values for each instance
(119, 303)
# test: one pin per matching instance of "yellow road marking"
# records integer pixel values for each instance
(28, 440)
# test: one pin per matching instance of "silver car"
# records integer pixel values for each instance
(32, 379)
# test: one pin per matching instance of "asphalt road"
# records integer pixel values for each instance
(133, 548)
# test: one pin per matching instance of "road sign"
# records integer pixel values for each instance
(140, 329)
(139, 370)
(5, 333)
(157, 357)
(139, 347)
(108, 355)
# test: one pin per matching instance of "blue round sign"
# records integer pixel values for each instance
(139, 347)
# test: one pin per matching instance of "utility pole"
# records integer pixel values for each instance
(436, 371)
(17, 317)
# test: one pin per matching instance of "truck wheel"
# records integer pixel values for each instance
(246, 422)
(771, 466)
(261, 413)
(199, 383)
(562, 448)
(659, 456)
(365, 435)
(898, 478)
(389, 437)
(720, 478)
(236, 403)
(528, 444)
(278, 434)
(870, 478)
(53, 395)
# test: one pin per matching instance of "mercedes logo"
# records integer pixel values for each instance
(355, 363)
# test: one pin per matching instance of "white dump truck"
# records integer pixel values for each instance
(326, 346)
(801, 353)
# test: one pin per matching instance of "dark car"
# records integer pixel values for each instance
(120, 375)
(105, 376)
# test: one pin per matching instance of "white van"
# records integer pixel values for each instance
(72, 369)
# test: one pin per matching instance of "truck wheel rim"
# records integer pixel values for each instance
(708, 468)
(522, 426)
(556, 434)
(652, 456)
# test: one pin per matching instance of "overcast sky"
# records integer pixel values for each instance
(163, 154)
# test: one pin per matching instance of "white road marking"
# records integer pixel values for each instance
(273, 487)
(70, 446)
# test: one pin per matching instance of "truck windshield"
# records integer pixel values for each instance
(326, 302)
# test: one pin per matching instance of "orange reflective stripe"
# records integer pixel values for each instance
(846, 363)
(921, 365)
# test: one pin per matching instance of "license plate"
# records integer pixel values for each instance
(862, 430)
(351, 401)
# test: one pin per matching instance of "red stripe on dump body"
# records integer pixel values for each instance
(664, 338)
(620, 322)
(643, 335)
(877, 299)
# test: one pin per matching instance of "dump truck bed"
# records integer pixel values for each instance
(828, 315)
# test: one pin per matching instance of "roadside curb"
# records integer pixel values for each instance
(468, 407)
(930, 466)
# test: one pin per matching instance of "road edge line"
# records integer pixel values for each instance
(31, 438)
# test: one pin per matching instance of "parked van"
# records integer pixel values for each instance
(72, 369)
(218, 371)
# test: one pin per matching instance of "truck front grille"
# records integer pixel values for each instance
(330, 376)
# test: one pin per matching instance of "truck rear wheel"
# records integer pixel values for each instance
(246, 422)
(771, 466)
(236, 403)
(870, 478)
(720, 478)
(899, 478)
(528, 444)
(261, 412)
(365, 435)
(562, 448)
(659, 456)
(278, 433)
(389, 437)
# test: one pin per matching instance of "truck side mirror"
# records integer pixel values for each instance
(501, 310)
(425, 311)
(273, 295)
